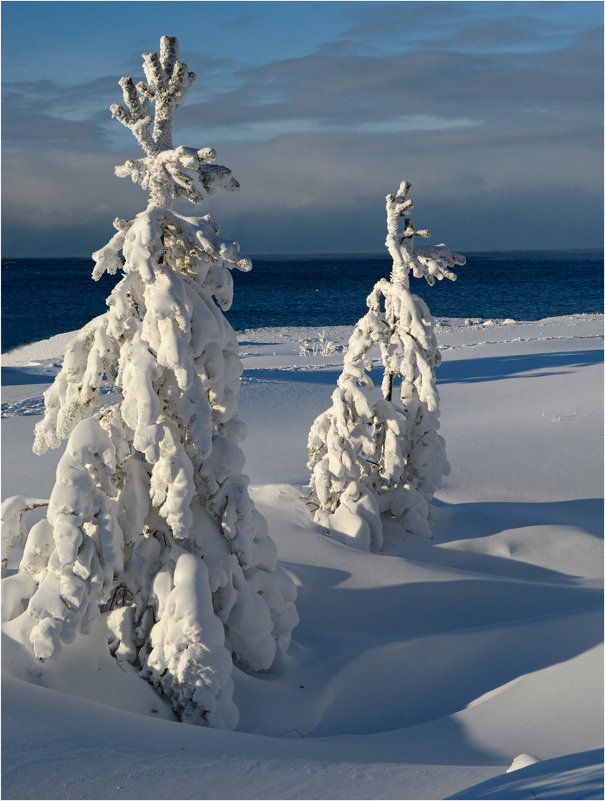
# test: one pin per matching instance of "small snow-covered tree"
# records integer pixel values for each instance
(371, 455)
(150, 521)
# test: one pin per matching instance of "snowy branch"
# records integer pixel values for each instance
(166, 172)
(168, 83)
(14, 512)
(425, 262)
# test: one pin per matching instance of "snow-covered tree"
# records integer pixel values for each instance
(150, 521)
(373, 456)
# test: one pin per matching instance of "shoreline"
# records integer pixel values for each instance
(54, 347)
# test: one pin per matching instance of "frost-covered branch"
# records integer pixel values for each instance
(168, 82)
(423, 262)
(148, 110)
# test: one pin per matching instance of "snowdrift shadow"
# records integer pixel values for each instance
(486, 565)
(17, 376)
(473, 521)
(494, 368)
(434, 675)
(407, 656)
(473, 370)
(299, 375)
(375, 616)
(247, 343)
(571, 776)
(415, 653)
(484, 518)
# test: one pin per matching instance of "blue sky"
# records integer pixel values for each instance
(493, 110)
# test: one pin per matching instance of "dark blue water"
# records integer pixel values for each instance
(43, 297)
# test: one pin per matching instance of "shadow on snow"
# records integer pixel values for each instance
(473, 370)
(493, 368)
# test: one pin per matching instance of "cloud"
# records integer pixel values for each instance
(68, 184)
(335, 90)
(331, 91)
(240, 23)
(75, 116)
(474, 191)
(470, 27)
(49, 116)
(493, 140)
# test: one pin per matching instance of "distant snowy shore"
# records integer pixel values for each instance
(423, 671)
(54, 347)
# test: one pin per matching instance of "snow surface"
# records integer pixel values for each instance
(426, 670)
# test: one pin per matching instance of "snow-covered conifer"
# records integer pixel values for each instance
(150, 521)
(373, 456)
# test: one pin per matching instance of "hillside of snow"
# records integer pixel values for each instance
(423, 671)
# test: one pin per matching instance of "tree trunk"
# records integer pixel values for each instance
(389, 382)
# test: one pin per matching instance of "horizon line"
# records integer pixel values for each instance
(316, 253)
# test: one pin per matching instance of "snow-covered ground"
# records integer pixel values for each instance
(421, 671)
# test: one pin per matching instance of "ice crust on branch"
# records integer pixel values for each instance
(371, 457)
(150, 521)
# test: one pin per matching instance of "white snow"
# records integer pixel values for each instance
(521, 761)
(423, 671)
